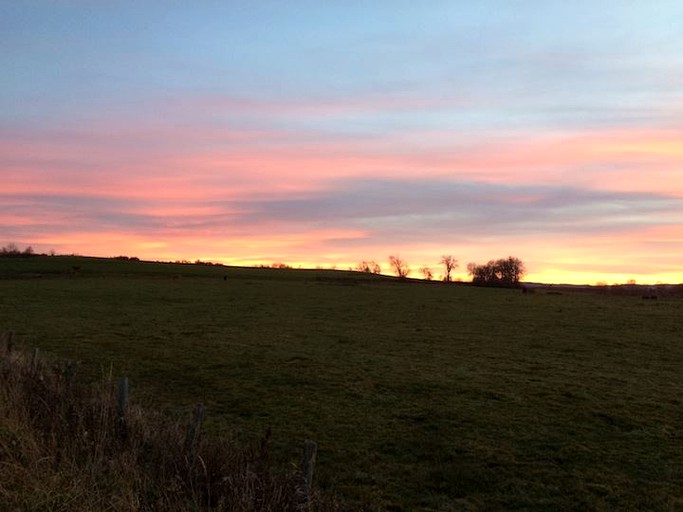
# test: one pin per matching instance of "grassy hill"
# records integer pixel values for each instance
(421, 396)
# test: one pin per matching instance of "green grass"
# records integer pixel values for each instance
(420, 396)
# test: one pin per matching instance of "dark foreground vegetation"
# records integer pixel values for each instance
(65, 445)
(421, 396)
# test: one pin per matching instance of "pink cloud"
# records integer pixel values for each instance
(132, 159)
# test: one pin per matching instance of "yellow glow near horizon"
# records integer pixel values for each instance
(551, 276)
(558, 268)
(593, 278)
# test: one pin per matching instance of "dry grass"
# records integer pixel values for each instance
(64, 447)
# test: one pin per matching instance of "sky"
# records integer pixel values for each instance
(321, 134)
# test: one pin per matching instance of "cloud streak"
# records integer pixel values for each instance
(363, 217)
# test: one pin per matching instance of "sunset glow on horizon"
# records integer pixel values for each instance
(324, 134)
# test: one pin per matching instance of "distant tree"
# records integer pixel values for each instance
(198, 262)
(369, 266)
(133, 258)
(510, 270)
(399, 266)
(10, 250)
(631, 282)
(506, 272)
(280, 265)
(482, 274)
(449, 263)
(427, 273)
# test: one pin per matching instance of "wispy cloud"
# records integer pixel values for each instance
(410, 210)
(362, 216)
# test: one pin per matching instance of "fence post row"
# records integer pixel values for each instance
(193, 429)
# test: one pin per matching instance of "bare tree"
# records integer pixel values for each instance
(449, 263)
(399, 266)
(427, 273)
(369, 266)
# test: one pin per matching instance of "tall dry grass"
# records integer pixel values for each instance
(64, 448)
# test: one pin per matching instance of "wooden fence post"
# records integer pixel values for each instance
(9, 342)
(307, 467)
(192, 435)
(68, 372)
(122, 402)
(34, 359)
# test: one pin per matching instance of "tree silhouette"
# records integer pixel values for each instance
(399, 266)
(427, 273)
(12, 250)
(369, 266)
(449, 263)
(505, 272)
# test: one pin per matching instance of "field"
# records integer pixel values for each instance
(420, 396)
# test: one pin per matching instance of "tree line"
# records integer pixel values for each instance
(13, 251)
(503, 272)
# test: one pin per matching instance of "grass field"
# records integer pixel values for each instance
(420, 396)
